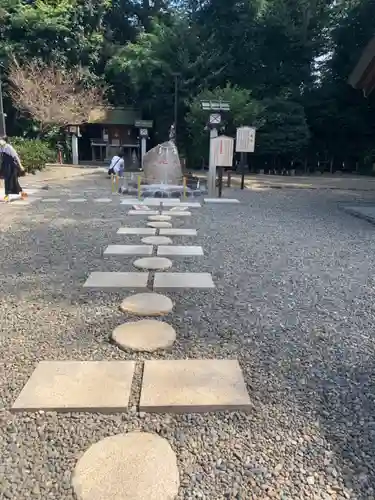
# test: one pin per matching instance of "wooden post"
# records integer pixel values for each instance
(229, 179)
(243, 160)
(220, 181)
(139, 187)
(184, 187)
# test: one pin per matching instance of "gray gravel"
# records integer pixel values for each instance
(294, 303)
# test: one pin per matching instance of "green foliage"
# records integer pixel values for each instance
(286, 62)
(34, 153)
(285, 131)
(244, 110)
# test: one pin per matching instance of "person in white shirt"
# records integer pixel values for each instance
(117, 166)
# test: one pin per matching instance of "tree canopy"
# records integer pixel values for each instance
(283, 65)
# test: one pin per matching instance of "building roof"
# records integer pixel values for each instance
(363, 75)
(114, 116)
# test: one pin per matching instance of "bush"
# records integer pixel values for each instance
(34, 153)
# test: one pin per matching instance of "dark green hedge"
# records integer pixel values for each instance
(34, 153)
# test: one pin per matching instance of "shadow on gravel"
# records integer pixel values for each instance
(347, 415)
(340, 396)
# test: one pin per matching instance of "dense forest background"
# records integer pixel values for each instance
(283, 65)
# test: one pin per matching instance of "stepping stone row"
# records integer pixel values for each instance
(167, 386)
(169, 250)
(77, 200)
(152, 231)
(134, 465)
(165, 202)
(162, 281)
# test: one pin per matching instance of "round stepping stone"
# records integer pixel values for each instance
(157, 240)
(147, 304)
(159, 224)
(159, 218)
(135, 466)
(153, 263)
(145, 335)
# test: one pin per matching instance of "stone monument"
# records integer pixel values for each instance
(162, 165)
(162, 175)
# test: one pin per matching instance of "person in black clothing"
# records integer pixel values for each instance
(10, 169)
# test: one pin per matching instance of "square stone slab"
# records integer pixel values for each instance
(165, 281)
(171, 202)
(176, 214)
(190, 204)
(177, 232)
(131, 201)
(193, 385)
(220, 200)
(179, 250)
(143, 212)
(102, 200)
(149, 231)
(128, 250)
(77, 386)
(116, 280)
(152, 202)
(142, 231)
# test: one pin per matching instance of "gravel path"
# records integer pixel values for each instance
(294, 303)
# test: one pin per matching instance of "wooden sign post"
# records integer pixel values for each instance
(223, 147)
(245, 143)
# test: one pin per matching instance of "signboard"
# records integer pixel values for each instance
(215, 119)
(245, 140)
(143, 123)
(223, 151)
(143, 132)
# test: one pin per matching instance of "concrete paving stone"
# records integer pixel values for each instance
(157, 240)
(133, 466)
(51, 200)
(165, 201)
(146, 335)
(131, 201)
(159, 225)
(143, 212)
(128, 250)
(190, 204)
(180, 251)
(171, 202)
(77, 200)
(110, 280)
(77, 386)
(102, 200)
(220, 200)
(160, 218)
(153, 263)
(179, 208)
(147, 304)
(176, 214)
(164, 281)
(193, 385)
(137, 231)
(152, 202)
(177, 232)
(141, 207)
